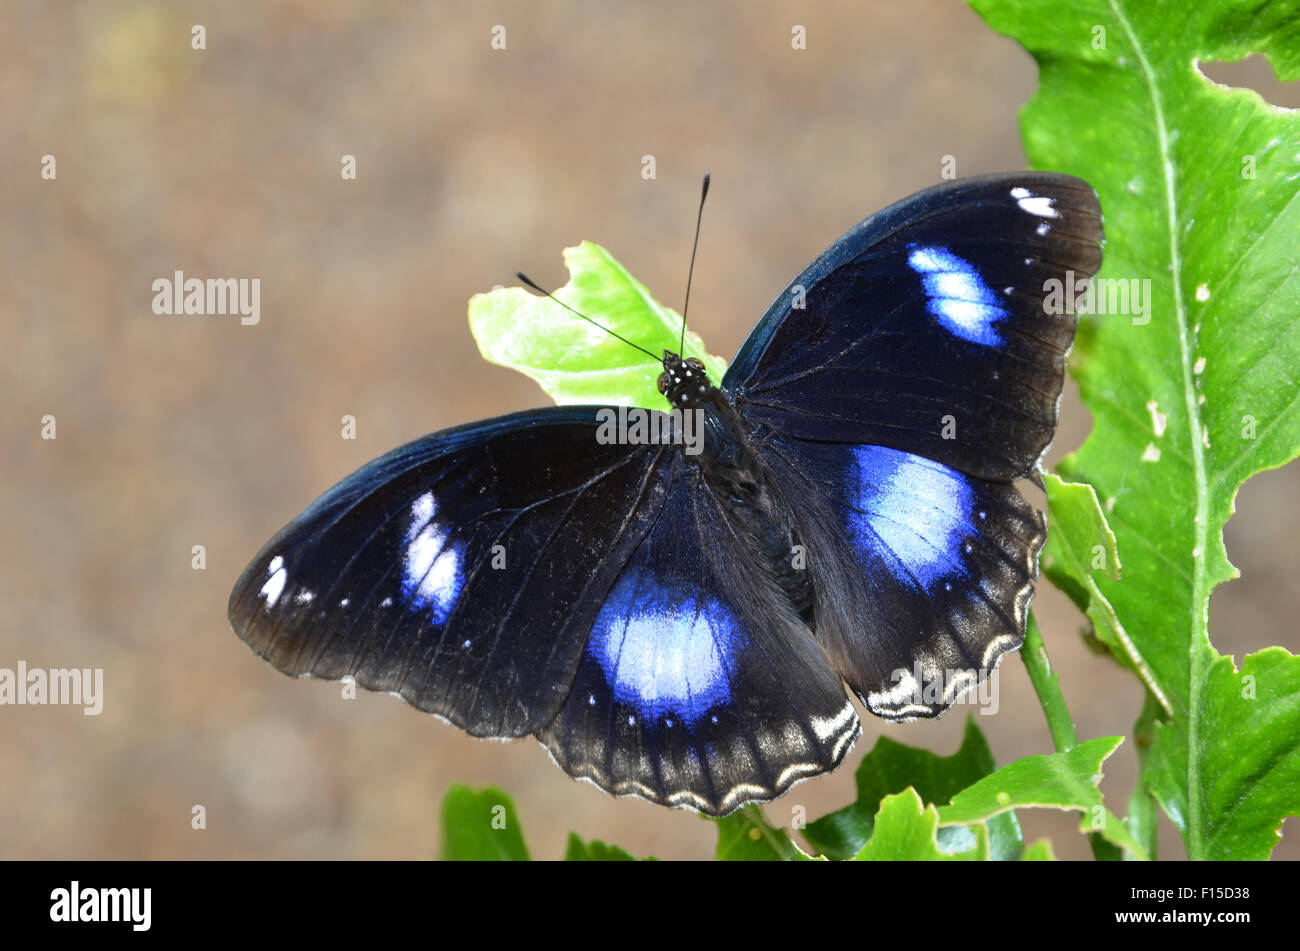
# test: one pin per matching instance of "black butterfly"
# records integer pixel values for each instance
(680, 627)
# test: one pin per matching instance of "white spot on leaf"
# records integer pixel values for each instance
(1159, 420)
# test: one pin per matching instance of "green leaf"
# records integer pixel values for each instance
(1199, 184)
(595, 851)
(1057, 780)
(1080, 547)
(1040, 851)
(891, 767)
(481, 824)
(747, 836)
(1143, 811)
(1249, 781)
(573, 361)
(905, 830)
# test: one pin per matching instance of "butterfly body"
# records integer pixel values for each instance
(679, 625)
(731, 467)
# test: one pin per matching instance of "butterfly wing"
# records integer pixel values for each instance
(920, 377)
(925, 328)
(461, 571)
(699, 685)
(922, 574)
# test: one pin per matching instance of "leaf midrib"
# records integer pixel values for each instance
(1198, 635)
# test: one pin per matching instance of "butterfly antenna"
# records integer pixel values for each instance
(547, 293)
(704, 193)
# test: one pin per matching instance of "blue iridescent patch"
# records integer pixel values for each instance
(911, 511)
(665, 652)
(956, 294)
(432, 575)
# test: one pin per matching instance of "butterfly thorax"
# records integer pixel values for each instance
(729, 465)
(726, 459)
(684, 383)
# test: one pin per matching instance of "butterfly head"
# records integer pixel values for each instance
(684, 382)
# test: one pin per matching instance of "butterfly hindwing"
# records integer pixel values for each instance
(461, 571)
(923, 574)
(929, 326)
(700, 686)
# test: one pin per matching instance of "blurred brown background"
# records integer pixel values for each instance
(175, 432)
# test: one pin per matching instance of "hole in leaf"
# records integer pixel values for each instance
(1253, 72)
(1259, 608)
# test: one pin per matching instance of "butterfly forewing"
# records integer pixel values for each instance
(933, 326)
(461, 571)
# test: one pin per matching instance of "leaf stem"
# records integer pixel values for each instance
(1047, 684)
(1143, 815)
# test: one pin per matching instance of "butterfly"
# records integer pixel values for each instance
(682, 626)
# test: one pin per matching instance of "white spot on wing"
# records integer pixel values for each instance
(830, 727)
(999, 645)
(1039, 205)
(892, 698)
(274, 586)
(432, 576)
